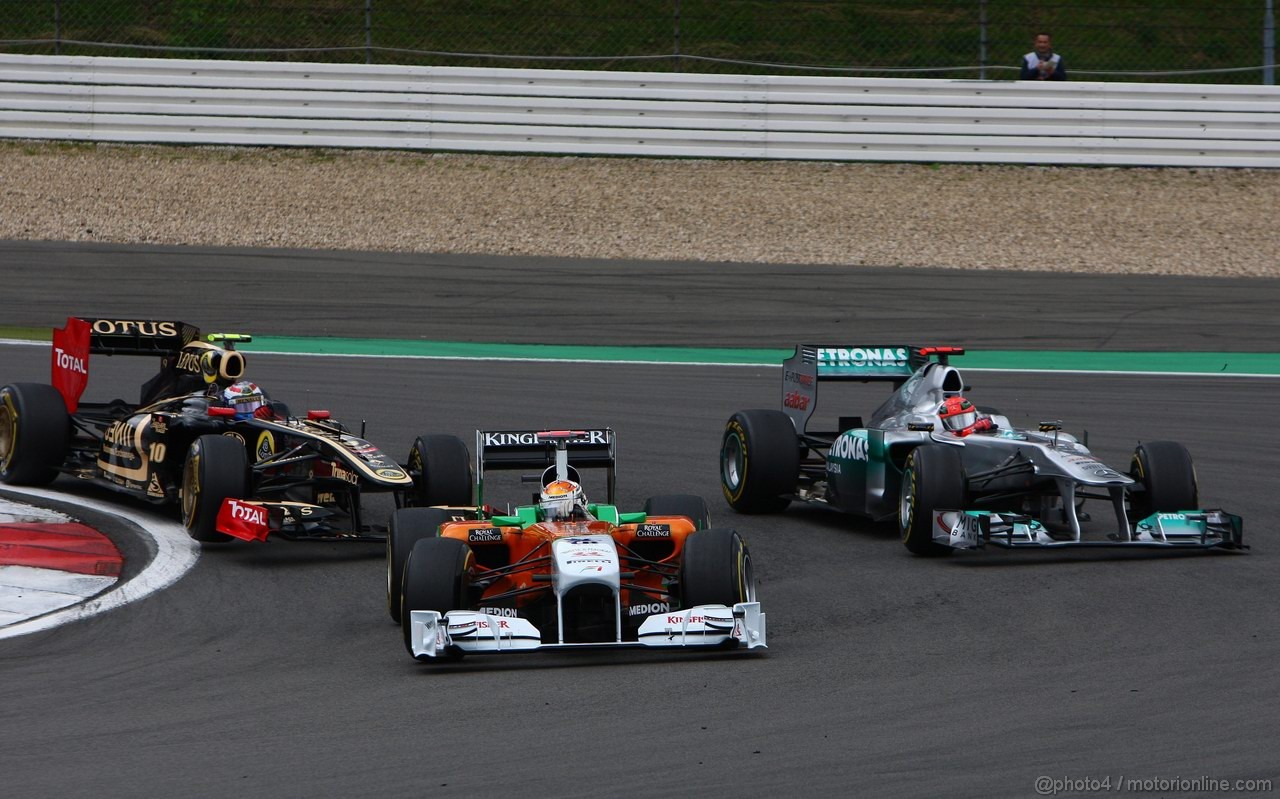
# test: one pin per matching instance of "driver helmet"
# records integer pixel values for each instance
(245, 397)
(957, 413)
(560, 498)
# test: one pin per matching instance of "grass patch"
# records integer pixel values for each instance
(1094, 35)
(27, 333)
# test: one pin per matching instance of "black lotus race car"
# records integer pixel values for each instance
(955, 476)
(234, 473)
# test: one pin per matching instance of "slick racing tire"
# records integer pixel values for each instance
(694, 507)
(1167, 476)
(759, 461)
(715, 569)
(216, 469)
(35, 431)
(932, 478)
(408, 527)
(441, 470)
(436, 577)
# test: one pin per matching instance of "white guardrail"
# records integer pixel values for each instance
(589, 112)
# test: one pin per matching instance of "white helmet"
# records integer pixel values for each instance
(560, 498)
(245, 397)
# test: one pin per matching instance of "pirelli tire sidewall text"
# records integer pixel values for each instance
(759, 461)
(35, 431)
(436, 577)
(216, 469)
(688, 505)
(441, 469)
(716, 569)
(932, 478)
(408, 527)
(1167, 475)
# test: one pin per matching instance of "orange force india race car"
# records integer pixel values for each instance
(563, 572)
(202, 437)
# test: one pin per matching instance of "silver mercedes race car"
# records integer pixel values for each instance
(954, 475)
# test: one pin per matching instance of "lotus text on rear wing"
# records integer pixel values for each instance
(145, 328)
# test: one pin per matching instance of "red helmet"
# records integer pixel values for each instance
(957, 414)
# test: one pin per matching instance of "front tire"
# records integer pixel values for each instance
(35, 431)
(759, 461)
(716, 569)
(932, 478)
(1167, 476)
(689, 505)
(441, 469)
(216, 469)
(436, 577)
(408, 527)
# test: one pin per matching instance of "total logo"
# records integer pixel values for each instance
(850, 447)
(795, 399)
(860, 356)
(253, 514)
(69, 362)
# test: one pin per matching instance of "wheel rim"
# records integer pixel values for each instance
(748, 579)
(389, 569)
(190, 489)
(906, 500)
(732, 462)
(8, 435)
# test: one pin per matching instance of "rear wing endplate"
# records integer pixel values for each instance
(811, 363)
(508, 450)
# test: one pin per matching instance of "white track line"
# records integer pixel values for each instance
(176, 554)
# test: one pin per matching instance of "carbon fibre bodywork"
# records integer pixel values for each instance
(303, 477)
(1016, 487)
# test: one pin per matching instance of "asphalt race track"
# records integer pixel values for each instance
(273, 670)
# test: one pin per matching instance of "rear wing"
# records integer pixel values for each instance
(74, 343)
(139, 336)
(509, 450)
(813, 363)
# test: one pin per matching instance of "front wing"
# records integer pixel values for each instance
(1199, 529)
(458, 632)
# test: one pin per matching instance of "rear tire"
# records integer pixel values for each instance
(716, 569)
(216, 469)
(759, 461)
(689, 505)
(35, 431)
(441, 469)
(1168, 477)
(408, 527)
(435, 578)
(932, 478)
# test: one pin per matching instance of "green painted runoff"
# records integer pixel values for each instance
(1237, 363)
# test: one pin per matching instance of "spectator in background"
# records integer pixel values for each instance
(1042, 63)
